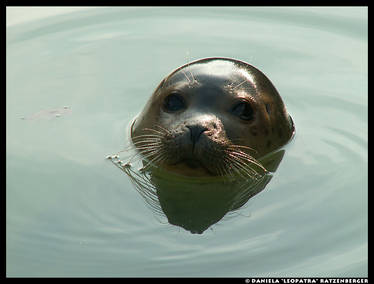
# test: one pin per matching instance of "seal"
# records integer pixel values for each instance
(212, 117)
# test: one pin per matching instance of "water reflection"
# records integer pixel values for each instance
(192, 203)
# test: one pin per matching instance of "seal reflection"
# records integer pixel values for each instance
(196, 204)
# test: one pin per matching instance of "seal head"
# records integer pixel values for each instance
(213, 116)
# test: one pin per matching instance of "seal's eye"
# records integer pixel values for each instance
(244, 110)
(174, 102)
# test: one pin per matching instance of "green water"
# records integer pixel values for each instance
(70, 212)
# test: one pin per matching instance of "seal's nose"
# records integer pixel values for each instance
(195, 131)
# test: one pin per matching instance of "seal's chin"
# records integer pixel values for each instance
(189, 167)
(192, 163)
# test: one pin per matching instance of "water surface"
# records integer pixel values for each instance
(70, 212)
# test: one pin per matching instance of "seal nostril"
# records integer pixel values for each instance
(195, 131)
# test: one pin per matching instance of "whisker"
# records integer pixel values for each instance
(233, 167)
(237, 159)
(234, 146)
(147, 142)
(249, 158)
(193, 78)
(147, 148)
(154, 130)
(239, 166)
(221, 170)
(242, 169)
(135, 158)
(157, 159)
(127, 148)
(162, 128)
(245, 80)
(147, 136)
(149, 153)
(185, 75)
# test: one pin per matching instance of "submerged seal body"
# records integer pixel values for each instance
(213, 116)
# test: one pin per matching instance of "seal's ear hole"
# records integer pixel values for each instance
(243, 110)
(174, 102)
